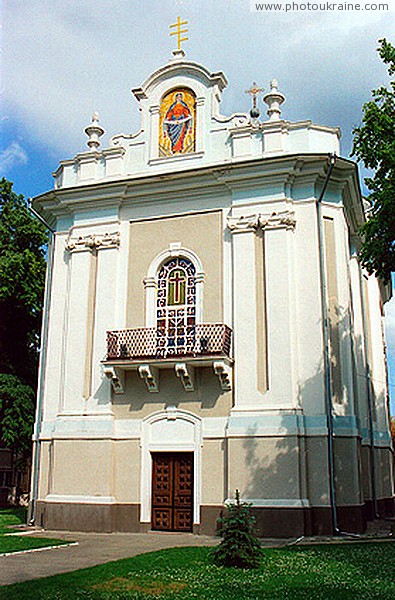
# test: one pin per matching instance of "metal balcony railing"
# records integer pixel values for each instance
(152, 343)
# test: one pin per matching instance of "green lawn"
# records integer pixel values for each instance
(337, 571)
(10, 543)
(11, 516)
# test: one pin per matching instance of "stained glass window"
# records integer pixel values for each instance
(176, 307)
(176, 283)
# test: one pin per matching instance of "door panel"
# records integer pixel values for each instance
(162, 481)
(172, 491)
(183, 493)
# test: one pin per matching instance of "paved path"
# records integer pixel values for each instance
(93, 549)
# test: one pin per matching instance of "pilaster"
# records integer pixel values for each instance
(105, 297)
(58, 306)
(87, 320)
(82, 265)
(114, 161)
(200, 123)
(361, 383)
(254, 347)
(245, 312)
(87, 165)
(154, 131)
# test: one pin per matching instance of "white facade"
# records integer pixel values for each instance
(245, 211)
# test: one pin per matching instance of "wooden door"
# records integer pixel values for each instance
(172, 491)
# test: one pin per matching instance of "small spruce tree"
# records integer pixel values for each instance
(239, 546)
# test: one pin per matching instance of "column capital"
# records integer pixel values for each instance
(243, 224)
(281, 220)
(93, 241)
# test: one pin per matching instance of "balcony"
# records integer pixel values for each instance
(150, 349)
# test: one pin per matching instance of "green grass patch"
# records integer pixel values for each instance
(13, 543)
(11, 516)
(342, 571)
(19, 543)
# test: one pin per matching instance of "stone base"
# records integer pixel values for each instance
(351, 519)
(291, 522)
(209, 516)
(368, 511)
(386, 508)
(103, 518)
(270, 522)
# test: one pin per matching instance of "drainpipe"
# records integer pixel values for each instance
(326, 340)
(41, 372)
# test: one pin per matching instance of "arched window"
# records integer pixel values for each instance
(176, 307)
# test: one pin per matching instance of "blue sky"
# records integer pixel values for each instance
(61, 60)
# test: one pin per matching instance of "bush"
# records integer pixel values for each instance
(239, 546)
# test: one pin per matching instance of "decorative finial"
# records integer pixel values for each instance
(94, 132)
(274, 99)
(179, 32)
(253, 92)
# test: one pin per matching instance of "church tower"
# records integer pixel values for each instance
(208, 325)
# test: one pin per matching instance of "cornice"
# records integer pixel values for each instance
(215, 180)
(63, 202)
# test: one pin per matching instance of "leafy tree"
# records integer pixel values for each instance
(239, 546)
(23, 242)
(16, 417)
(374, 144)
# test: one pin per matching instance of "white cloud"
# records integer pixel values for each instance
(62, 64)
(11, 157)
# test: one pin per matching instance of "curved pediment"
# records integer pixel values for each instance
(177, 69)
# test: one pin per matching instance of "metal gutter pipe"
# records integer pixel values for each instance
(38, 216)
(41, 373)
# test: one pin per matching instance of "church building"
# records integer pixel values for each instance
(208, 327)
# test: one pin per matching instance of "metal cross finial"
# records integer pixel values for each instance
(254, 91)
(179, 31)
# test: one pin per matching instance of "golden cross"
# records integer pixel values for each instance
(254, 91)
(177, 277)
(179, 31)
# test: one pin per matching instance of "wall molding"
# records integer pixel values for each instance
(93, 241)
